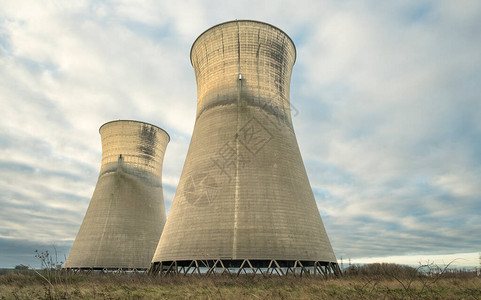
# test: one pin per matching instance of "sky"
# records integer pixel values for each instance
(386, 95)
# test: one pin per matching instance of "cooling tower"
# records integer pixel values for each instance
(243, 198)
(126, 214)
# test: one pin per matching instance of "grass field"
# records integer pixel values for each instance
(381, 283)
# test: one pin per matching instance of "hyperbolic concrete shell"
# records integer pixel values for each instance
(244, 191)
(126, 214)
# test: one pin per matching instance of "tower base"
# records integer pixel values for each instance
(246, 266)
(100, 270)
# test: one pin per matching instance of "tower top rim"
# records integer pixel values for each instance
(243, 21)
(135, 121)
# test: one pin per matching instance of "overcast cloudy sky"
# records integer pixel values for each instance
(388, 123)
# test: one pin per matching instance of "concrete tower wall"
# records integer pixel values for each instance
(244, 191)
(263, 56)
(126, 214)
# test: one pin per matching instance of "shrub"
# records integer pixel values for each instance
(384, 270)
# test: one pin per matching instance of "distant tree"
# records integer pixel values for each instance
(21, 267)
(383, 270)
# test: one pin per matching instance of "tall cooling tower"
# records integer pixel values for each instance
(126, 214)
(243, 199)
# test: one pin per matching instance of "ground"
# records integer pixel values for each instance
(56, 285)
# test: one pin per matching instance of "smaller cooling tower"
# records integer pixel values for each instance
(126, 214)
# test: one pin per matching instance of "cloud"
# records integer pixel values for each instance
(387, 98)
(397, 145)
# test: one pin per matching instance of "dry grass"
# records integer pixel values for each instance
(376, 285)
